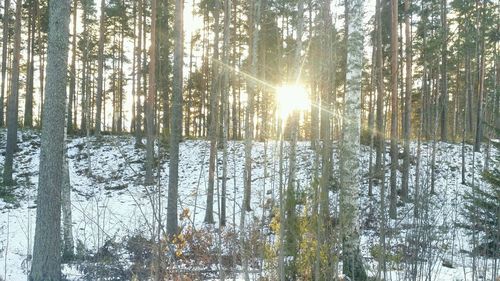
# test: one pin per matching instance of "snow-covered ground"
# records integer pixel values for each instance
(111, 201)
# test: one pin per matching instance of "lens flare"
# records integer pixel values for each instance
(290, 98)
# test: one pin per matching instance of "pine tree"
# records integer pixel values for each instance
(47, 246)
(13, 102)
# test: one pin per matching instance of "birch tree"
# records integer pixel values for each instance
(350, 148)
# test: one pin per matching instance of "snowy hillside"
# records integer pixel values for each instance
(110, 203)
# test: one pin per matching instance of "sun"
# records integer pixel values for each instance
(290, 98)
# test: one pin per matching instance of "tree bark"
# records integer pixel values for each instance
(5, 43)
(28, 104)
(138, 116)
(394, 107)
(380, 128)
(350, 180)
(13, 101)
(444, 74)
(225, 109)
(72, 81)
(249, 125)
(150, 135)
(214, 105)
(47, 246)
(176, 121)
(407, 110)
(100, 69)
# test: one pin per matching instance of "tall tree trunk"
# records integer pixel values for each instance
(134, 69)
(407, 110)
(214, 102)
(480, 86)
(444, 74)
(394, 107)
(225, 109)
(138, 117)
(151, 99)
(176, 121)
(47, 246)
(380, 130)
(28, 104)
(187, 121)
(100, 69)
(5, 45)
(350, 148)
(13, 102)
(252, 89)
(291, 223)
(163, 43)
(41, 60)
(327, 85)
(72, 77)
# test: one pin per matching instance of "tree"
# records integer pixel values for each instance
(212, 131)
(13, 102)
(150, 135)
(5, 43)
(176, 121)
(225, 108)
(444, 72)
(30, 69)
(46, 264)
(407, 104)
(72, 79)
(350, 149)
(138, 49)
(100, 69)
(394, 108)
(380, 126)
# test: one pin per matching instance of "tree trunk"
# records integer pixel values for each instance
(151, 99)
(72, 81)
(100, 69)
(444, 74)
(407, 110)
(176, 121)
(13, 102)
(225, 109)
(480, 89)
(138, 117)
(380, 130)
(394, 107)
(5, 45)
(214, 102)
(350, 180)
(47, 246)
(28, 104)
(254, 39)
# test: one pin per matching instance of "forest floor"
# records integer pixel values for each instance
(112, 209)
